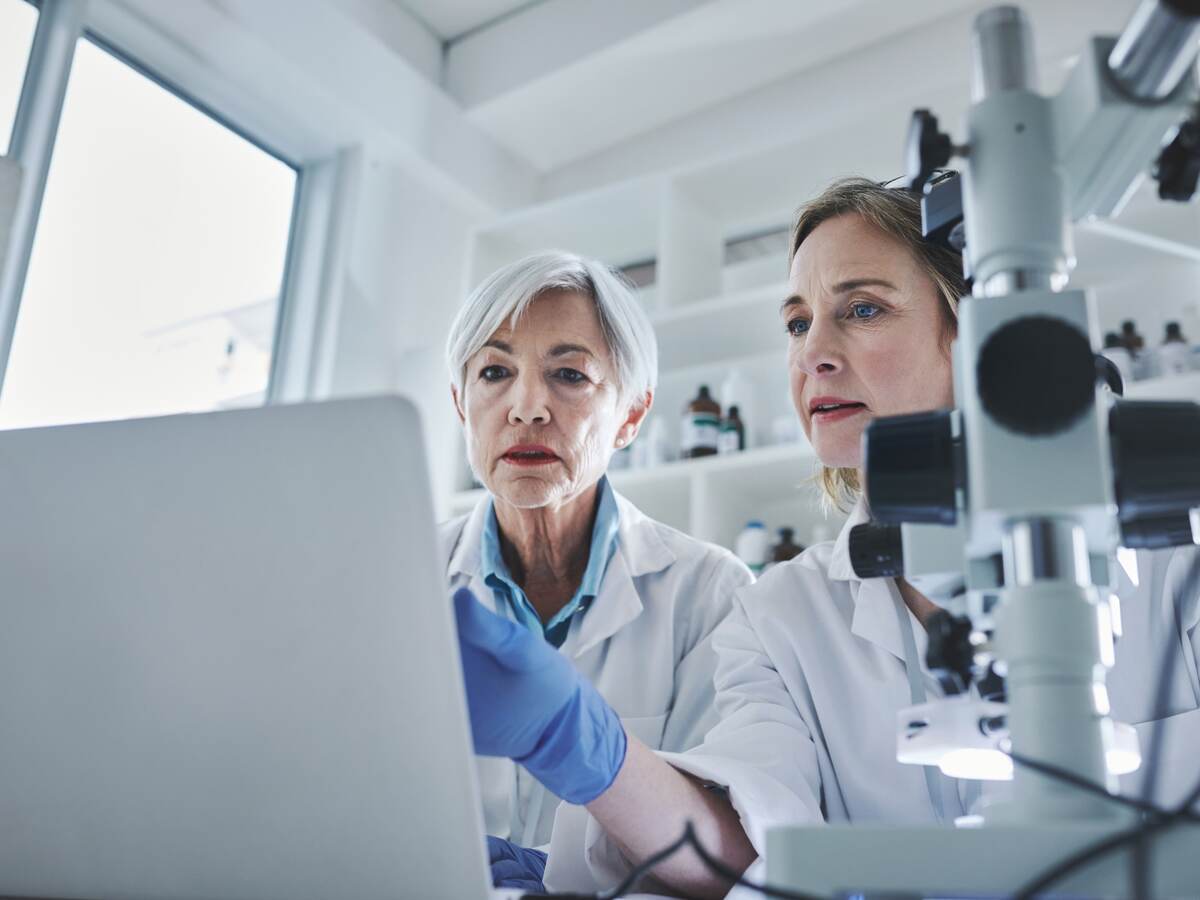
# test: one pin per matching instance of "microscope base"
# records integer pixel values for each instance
(991, 861)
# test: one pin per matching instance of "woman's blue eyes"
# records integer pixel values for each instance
(858, 311)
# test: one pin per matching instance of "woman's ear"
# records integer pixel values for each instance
(634, 418)
(462, 418)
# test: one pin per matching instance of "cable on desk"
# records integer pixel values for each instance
(1160, 819)
(714, 865)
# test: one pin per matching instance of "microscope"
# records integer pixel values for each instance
(1032, 483)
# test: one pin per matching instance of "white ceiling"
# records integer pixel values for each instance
(450, 19)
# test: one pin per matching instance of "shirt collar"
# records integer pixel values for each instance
(605, 534)
(604, 540)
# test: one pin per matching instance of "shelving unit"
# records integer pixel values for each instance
(712, 317)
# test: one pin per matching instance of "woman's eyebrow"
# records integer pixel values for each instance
(842, 287)
(499, 345)
(794, 300)
(855, 283)
(565, 349)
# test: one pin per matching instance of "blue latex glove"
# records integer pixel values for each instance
(514, 866)
(527, 702)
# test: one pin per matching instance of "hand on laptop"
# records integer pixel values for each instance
(514, 866)
(529, 703)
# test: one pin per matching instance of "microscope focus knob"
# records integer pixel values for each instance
(876, 551)
(912, 469)
(1036, 375)
(950, 650)
(1156, 465)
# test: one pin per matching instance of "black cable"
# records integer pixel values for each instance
(736, 877)
(643, 868)
(1108, 845)
(1160, 819)
(1065, 775)
(688, 839)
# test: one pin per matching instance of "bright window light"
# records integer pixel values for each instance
(157, 266)
(18, 20)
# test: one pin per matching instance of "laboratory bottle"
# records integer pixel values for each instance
(738, 390)
(701, 426)
(753, 546)
(733, 433)
(787, 548)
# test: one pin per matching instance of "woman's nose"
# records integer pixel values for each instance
(529, 402)
(821, 353)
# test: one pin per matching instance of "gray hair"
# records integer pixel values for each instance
(506, 294)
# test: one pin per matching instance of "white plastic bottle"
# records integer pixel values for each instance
(753, 546)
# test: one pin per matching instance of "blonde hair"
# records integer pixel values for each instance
(897, 213)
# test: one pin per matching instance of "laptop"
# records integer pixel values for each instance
(227, 662)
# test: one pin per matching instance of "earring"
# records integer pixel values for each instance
(620, 442)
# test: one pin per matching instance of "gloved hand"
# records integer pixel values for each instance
(514, 866)
(527, 702)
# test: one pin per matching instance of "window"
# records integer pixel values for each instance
(157, 267)
(18, 20)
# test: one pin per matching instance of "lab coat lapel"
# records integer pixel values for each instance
(875, 599)
(640, 551)
(464, 563)
(875, 618)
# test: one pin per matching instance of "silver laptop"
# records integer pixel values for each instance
(227, 662)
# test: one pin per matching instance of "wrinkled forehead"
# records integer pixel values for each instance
(552, 323)
(848, 249)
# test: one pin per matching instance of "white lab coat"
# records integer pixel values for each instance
(645, 643)
(811, 674)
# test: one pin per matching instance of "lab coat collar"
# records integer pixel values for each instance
(839, 562)
(875, 599)
(466, 558)
(638, 541)
(640, 551)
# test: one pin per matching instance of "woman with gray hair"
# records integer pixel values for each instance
(553, 366)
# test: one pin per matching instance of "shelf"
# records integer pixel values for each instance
(618, 224)
(725, 327)
(1168, 387)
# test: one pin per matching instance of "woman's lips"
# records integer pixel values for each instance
(529, 456)
(836, 415)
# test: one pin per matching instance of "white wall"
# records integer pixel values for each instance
(404, 284)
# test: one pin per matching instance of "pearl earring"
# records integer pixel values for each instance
(620, 442)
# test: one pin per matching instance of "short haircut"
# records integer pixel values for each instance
(504, 296)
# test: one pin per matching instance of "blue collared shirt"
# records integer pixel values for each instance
(508, 592)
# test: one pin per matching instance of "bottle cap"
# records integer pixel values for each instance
(755, 523)
(733, 411)
(704, 391)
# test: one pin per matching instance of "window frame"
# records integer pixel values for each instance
(304, 346)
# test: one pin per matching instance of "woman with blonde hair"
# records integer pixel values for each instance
(814, 663)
